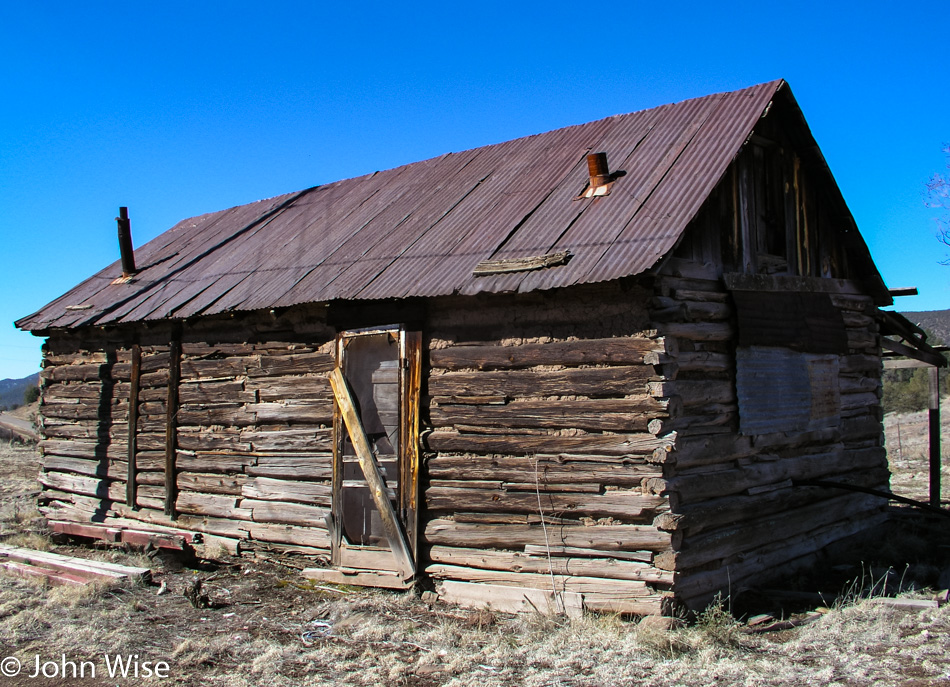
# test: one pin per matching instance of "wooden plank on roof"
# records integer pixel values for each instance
(526, 264)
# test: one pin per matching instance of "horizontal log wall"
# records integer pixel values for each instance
(733, 500)
(539, 448)
(589, 434)
(252, 451)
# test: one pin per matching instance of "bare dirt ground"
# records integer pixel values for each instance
(907, 440)
(270, 627)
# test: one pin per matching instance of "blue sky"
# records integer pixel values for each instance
(176, 109)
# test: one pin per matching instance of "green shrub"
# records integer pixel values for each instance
(31, 395)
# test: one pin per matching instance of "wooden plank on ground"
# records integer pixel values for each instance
(53, 578)
(88, 569)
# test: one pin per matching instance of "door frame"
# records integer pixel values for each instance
(366, 560)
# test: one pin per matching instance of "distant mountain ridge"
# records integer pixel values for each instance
(937, 322)
(12, 390)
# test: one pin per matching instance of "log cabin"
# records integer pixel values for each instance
(587, 369)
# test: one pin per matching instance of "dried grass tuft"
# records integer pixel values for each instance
(29, 540)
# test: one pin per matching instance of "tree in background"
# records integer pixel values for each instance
(906, 390)
(938, 196)
(31, 394)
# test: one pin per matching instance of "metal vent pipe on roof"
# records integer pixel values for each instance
(125, 242)
(598, 169)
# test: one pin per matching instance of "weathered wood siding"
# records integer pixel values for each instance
(733, 496)
(585, 441)
(252, 437)
(539, 409)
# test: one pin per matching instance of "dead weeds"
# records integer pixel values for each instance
(266, 626)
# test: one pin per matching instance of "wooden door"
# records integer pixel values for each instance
(375, 475)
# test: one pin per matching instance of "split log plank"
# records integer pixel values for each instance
(220, 391)
(114, 469)
(626, 506)
(276, 389)
(589, 444)
(619, 596)
(515, 561)
(316, 440)
(546, 469)
(213, 505)
(600, 537)
(113, 490)
(290, 534)
(621, 415)
(268, 489)
(614, 351)
(285, 513)
(588, 381)
(294, 363)
(219, 463)
(505, 599)
(576, 551)
(309, 467)
(210, 483)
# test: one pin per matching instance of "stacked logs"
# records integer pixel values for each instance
(733, 498)
(539, 449)
(251, 445)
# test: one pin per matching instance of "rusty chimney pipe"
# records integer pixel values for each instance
(125, 242)
(597, 167)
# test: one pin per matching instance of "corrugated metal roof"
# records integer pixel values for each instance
(420, 229)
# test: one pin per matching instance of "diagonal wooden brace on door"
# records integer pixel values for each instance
(377, 487)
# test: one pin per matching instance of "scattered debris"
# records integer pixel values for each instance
(323, 631)
(909, 604)
(195, 596)
(767, 623)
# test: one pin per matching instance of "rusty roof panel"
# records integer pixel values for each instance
(523, 182)
(348, 232)
(597, 230)
(555, 211)
(441, 190)
(691, 179)
(420, 229)
(422, 256)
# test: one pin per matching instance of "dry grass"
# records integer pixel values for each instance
(907, 440)
(272, 629)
